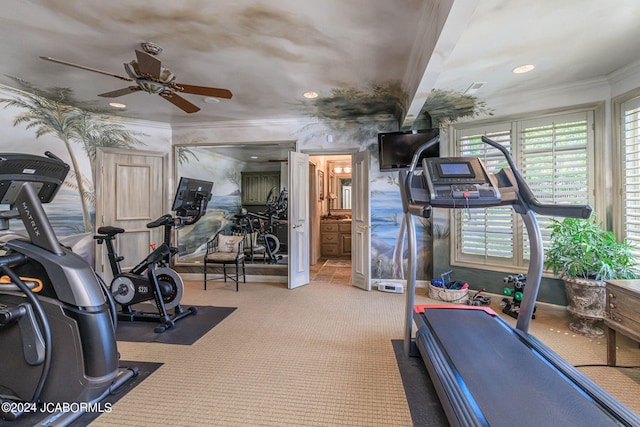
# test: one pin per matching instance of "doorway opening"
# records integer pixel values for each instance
(330, 213)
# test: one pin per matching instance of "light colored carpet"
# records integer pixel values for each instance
(320, 355)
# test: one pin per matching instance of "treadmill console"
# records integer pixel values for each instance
(457, 182)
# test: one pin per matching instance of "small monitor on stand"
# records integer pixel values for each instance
(192, 197)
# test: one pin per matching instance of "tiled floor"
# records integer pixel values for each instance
(338, 272)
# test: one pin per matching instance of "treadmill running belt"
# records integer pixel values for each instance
(510, 382)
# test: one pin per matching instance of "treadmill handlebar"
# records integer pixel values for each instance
(527, 196)
(414, 164)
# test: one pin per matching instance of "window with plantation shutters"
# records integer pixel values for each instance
(552, 155)
(486, 234)
(631, 174)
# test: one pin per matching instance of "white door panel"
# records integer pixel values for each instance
(298, 220)
(361, 217)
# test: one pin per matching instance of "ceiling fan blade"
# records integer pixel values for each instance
(148, 64)
(120, 92)
(82, 67)
(204, 91)
(180, 102)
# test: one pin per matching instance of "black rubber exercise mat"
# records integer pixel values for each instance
(186, 331)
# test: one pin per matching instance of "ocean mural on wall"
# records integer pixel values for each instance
(47, 121)
(203, 162)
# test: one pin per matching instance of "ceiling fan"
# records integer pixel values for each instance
(150, 76)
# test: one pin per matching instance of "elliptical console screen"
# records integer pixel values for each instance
(459, 182)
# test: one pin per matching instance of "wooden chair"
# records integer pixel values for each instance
(226, 248)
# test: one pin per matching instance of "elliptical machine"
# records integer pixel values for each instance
(57, 323)
(153, 279)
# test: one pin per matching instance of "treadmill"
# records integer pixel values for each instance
(485, 372)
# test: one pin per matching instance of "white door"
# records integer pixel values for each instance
(361, 215)
(129, 194)
(298, 219)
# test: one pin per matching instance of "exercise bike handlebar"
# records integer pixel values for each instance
(164, 220)
(262, 216)
(529, 199)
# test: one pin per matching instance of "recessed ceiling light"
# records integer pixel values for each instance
(523, 69)
(310, 94)
(254, 157)
(117, 105)
(211, 100)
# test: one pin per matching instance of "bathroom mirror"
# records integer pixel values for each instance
(340, 184)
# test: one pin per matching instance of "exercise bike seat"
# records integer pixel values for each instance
(110, 230)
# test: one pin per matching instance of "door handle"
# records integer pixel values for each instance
(294, 226)
(363, 227)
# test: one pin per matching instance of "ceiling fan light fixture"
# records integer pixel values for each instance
(151, 87)
(166, 76)
(310, 95)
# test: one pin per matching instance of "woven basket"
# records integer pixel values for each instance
(449, 295)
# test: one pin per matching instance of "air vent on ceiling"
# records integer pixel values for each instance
(475, 86)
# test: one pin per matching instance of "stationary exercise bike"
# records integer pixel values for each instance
(263, 225)
(57, 323)
(153, 279)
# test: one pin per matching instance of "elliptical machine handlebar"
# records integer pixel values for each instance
(530, 200)
(12, 259)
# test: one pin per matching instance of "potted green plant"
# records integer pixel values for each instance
(584, 256)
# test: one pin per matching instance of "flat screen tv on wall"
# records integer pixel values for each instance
(396, 149)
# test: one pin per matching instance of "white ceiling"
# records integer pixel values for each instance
(269, 53)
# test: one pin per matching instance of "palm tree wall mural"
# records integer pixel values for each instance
(355, 116)
(50, 112)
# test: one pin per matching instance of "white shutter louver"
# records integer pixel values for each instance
(552, 155)
(631, 178)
